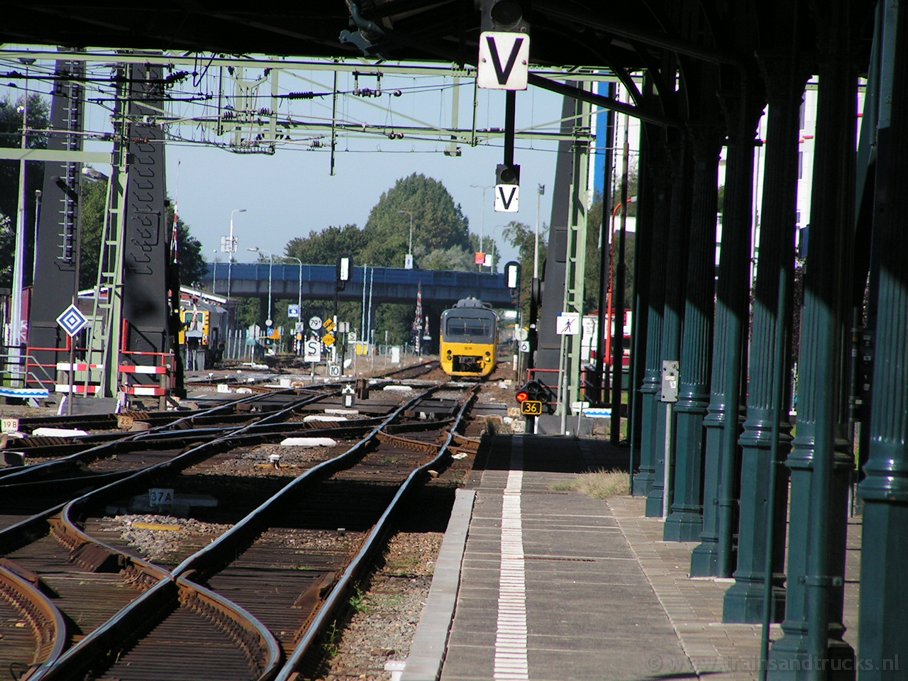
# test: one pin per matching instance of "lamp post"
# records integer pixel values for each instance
(230, 247)
(38, 194)
(214, 274)
(482, 217)
(15, 338)
(255, 249)
(408, 262)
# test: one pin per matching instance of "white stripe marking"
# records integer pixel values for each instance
(511, 638)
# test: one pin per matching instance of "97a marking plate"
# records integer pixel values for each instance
(531, 408)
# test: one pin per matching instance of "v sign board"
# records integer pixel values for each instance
(507, 198)
(504, 60)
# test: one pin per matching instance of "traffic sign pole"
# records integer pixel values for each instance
(72, 321)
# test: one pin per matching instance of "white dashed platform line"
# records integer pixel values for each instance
(511, 633)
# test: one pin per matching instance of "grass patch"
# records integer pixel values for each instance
(600, 484)
(358, 601)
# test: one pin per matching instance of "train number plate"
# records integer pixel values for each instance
(531, 408)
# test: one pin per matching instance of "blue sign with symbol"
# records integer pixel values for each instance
(72, 320)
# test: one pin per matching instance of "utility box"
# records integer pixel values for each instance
(670, 376)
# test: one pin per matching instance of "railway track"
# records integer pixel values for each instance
(249, 603)
(30, 493)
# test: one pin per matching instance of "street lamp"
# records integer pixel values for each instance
(230, 247)
(214, 275)
(482, 217)
(15, 327)
(255, 249)
(408, 262)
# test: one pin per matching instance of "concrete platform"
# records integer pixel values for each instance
(537, 583)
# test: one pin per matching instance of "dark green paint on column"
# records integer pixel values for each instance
(675, 264)
(883, 621)
(742, 109)
(686, 518)
(744, 599)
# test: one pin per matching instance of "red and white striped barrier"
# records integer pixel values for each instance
(144, 369)
(77, 388)
(145, 390)
(77, 366)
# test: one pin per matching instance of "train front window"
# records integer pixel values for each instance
(467, 328)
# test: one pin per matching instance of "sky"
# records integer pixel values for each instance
(291, 193)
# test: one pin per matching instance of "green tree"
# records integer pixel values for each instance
(454, 258)
(594, 249)
(94, 201)
(325, 247)
(438, 223)
(11, 136)
(192, 263)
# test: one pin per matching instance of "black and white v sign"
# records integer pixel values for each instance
(507, 198)
(504, 60)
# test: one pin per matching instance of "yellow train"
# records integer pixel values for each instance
(469, 339)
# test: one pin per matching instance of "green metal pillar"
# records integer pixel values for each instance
(658, 174)
(744, 599)
(643, 254)
(575, 260)
(675, 263)
(820, 461)
(883, 621)
(686, 518)
(742, 107)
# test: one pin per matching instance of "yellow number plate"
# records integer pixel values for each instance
(531, 408)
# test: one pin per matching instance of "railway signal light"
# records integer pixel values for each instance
(512, 274)
(342, 272)
(507, 187)
(507, 173)
(504, 15)
(531, 398)
(531, 390)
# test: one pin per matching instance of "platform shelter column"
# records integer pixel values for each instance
(744, 600)
(742, 104)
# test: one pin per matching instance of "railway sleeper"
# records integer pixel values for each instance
(407, 443)
(466, 444)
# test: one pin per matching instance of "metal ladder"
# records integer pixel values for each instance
(107, 313)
